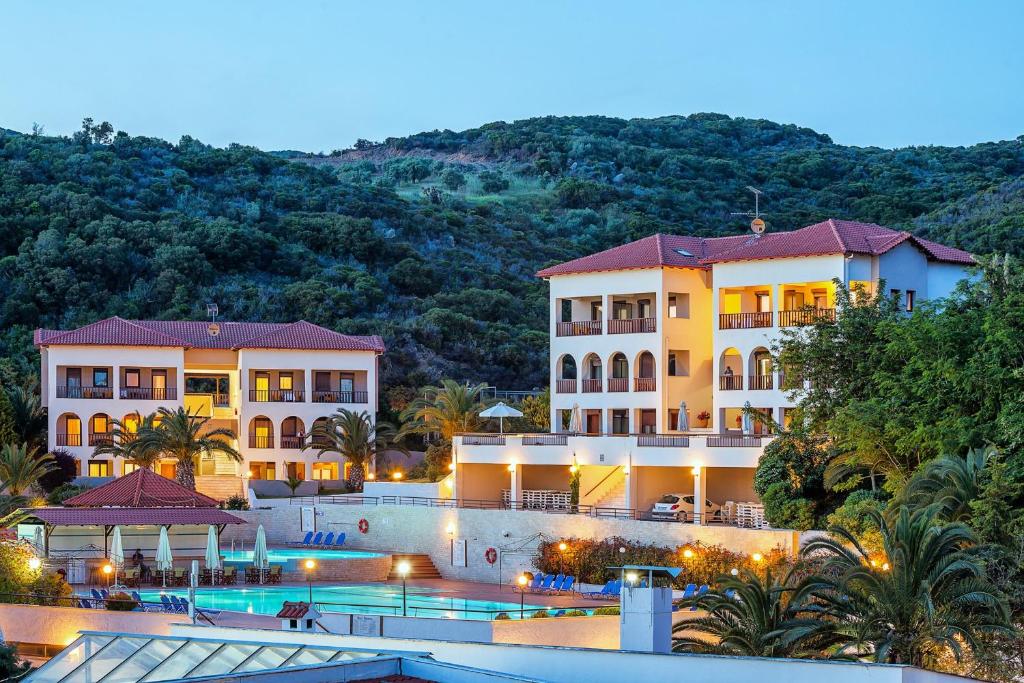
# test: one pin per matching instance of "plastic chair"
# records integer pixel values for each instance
(307, 539)
(567, 584)
(316, 539)
(340, 541)
(329, 540)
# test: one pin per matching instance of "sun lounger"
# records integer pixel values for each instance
(304, 541)
(104, 593)
(616, 589)
(340, 541)
(556, 585)
(165, 602)
(316, 539)
(96, 594)
(329, 540)
(545, 584)
(689, 591)
(605, 590)
(567, 584)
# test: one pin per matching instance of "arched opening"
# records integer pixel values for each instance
(99, 429)
(730, 370)
(645, 372)
(292, 432)
(619, 380)
(760, 368)
(69, 430)
(316, 433)
(565, 382)
(261, 432)
(593, 373)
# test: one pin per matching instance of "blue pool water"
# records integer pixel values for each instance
(352, 598)
(287, 554)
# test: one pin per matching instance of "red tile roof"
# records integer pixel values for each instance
(293, 610)
(828, 237)
(139, 516)
(299, 335)
(142, 488)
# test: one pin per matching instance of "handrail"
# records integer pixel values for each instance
(603, 480)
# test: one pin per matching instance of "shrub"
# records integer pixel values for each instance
(236, 502)
(121, 602)
(540, 614)
(493, 182)
(502, 616)
(58, 495)
(575, 613)
(853, 516)
(11, 665)
(606, 611)
(786, 511)
(63, 474)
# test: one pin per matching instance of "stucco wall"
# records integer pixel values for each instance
(60, 625)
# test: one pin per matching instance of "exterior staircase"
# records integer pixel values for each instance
(421, 567)
(615, 497)
(219, 486)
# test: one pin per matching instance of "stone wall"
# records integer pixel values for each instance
(513, 534)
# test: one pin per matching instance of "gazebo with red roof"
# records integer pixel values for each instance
(142, 488)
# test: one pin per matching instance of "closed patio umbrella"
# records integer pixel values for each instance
(116, 551)
(212, 552)
(576, 419)
(164, 559)
(260, 558)
(501, 411)
(37, 540)
(748, 418)
(683, 422)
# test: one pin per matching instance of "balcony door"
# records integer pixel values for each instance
(262, 386)
(347, 385)
(74, 427)
(73, 382)
(159, 381)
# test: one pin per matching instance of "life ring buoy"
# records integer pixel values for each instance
(491, 555)
(364, 526)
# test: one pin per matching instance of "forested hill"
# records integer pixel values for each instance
(432, 240)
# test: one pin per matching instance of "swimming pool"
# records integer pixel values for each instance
(289, 554)
(353, 598)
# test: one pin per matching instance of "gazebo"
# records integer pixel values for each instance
(140, 499)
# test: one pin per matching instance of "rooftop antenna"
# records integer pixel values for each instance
(213, 329)
(757, 224)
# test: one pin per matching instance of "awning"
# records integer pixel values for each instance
(59, 516)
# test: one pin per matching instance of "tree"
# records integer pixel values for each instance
(185, 437)
(923, 600)
(65, 469)
(21, 467)
(355, 437)
(950, 483)
(452, 179)
(125, 442)
(537, 411)
(28, 415)
(8, 427)
(493, 182)
(445, 410)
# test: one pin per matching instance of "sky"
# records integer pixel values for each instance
(315, 76)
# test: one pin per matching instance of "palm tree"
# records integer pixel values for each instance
(125, 442)
(355, 437)
(950, 483)
(747, 616)
(925, 600)
(21, 466)
(183, 436)
(445, 410)
(28, 415)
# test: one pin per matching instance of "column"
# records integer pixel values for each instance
(628, 497)
(699, 493)
(515, 485)
(116, 372)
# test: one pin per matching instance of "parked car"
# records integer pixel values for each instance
(679, 506)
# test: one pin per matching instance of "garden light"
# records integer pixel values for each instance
(34, 563)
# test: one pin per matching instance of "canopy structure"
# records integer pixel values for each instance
(652, 572)
(501, 411)
(142, 488)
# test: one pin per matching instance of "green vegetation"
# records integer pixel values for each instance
(355, 437)
(182, 436)
(21, 467)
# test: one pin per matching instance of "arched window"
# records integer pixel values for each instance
(292, 432)
(261, 432)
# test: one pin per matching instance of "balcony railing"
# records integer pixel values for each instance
(565, 386)
(483, 440)
(340, 397)
(805, 316)
(545, 440)
(100, 439)
(760, 382)
(276, 396)
(578, 328)
(219, 400)
(291, 442)
(644, 384)
(70, 391)
(149, 393)
(618, 384)
(261, 441)
(664, 440)
(630, 325)
(725, 441)
(592, 386)
(69, 439)
(730, 382)
(743, 321)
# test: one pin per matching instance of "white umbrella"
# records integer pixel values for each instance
(501, 411)
(576, 419)
(683, 421)
(748, 419)
(164, 559)
(260, 558)
(212, 552)
(116, 551)
(37, 540)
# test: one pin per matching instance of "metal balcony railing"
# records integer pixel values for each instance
(340, 397)
(730, 382)
(276, 396)
(592, 386)
(743, 321)
(72, 391)
(632, 325)
(578, 328)
(149, 393)
(565, 386)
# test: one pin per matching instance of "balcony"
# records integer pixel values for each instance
(760, 382)
(592, 386)
(744, 321)
(730, 382)
(545, 439)
(291, 442)
(261, 441)
(100, 439)
(663, 440)
(278, 396)
(806, 316)
(71, 391)
(578, 328)
(340, 397)
(616, 384)
(632, 325)
(149, 393)
(69, 439)
(726, 441)
(565, 386)
(644, 384)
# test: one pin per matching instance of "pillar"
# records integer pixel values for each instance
(515, 485)
(628, 497)
(700, 491)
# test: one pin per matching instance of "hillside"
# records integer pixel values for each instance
(432, 240)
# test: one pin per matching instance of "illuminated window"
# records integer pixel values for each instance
(325, 470)
(763, 301)
(100, 377)
(285, 381)
(678, 363)
(131, 424)
(732, 303)
(99, 424)
(911, 295)
(99, 468)
(132, 378)
(128, 468)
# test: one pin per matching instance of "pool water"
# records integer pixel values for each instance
(277, 555)
(352, 598)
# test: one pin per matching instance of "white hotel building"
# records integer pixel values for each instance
(268, 382)
(640, 330)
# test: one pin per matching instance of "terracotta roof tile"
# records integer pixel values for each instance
(304, 335)
(142, 488)
(65, 516)
(293, 610)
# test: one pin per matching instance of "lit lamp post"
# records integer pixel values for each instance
(562, 547)
(108, 570)
(522, 581)
(34, 563)
(310, 566)
(403, 571)
(397, 476)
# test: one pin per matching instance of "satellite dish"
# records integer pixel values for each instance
(757, 226)
(213, 329)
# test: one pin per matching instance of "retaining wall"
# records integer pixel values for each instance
(60, 625)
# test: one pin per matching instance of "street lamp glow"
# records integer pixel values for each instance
(688, 553)
(396, 476)
(450, 529)
(371, 476)
(34, 563)
(451, 466)
(562, 546)
(107, 569)
(734, 571)
(631, 577)
(757, 557)
(522, 580)
(310, 565)
(403, 568)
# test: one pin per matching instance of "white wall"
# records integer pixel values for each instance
(60, 625)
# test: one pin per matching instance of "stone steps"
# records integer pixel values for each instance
(420, 567)
(219, 486)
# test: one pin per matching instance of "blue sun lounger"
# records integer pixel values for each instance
(329, 541)
(304, 541)
(340, 540)
(556, 585)
(546, 583)
(316, 539)
(605, 591)
(700, 591)
(567, 584)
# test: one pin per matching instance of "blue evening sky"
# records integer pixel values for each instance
(317, 75)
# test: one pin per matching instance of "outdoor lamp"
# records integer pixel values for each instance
(522, 581)
(562, 546)
(688, 553)
(107, 569)
(885, 566)
(631, 577)
(757, 557)
(310, 565)
(451, 466)
(512, 467)
(396, 476)
(371, 476)
(34, 563)
(403, 568)
(734, 571)
(573, 469)
(450, 529)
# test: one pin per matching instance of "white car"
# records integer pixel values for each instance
(679, 506)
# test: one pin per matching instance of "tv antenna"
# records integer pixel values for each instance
(212, 310)
(757, 224)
